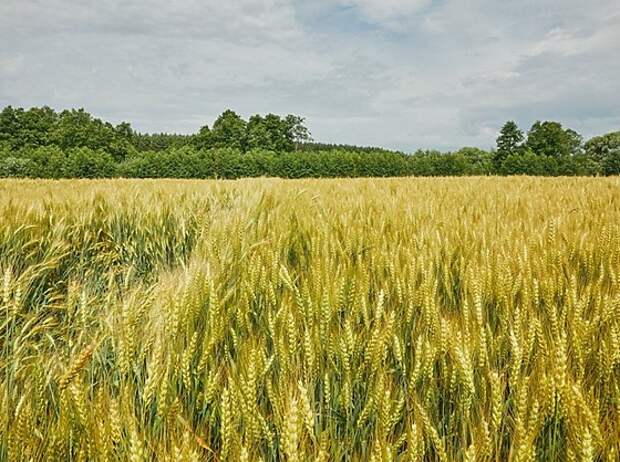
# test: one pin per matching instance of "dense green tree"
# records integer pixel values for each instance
(275, 133)
(605, 149)
(9, 126)
(70, 129)
(77, 128)
(29, 128)
(611, 164)
(202, 139)
(88, 163)
(577, 165)
(270, 132)
(124, 131)
(160, 141)
(551, 139)
(297, 132)
(526, 162)
(508, 142)
(47, 162)
(16, 167)
(261, 134)
(229, 131)
(478, 161)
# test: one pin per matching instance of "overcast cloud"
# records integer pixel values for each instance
(394, 73)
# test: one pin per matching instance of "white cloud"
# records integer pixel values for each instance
(567, 43)
(237, 20)
(387, 10)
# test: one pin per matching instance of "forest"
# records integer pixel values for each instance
(43, 143)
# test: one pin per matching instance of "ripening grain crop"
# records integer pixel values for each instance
(473, 319)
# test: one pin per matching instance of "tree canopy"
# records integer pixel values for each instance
(509, 141)
(606, 150)
(551, 139)
(40, 142)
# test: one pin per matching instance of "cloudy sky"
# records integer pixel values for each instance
(402, 74)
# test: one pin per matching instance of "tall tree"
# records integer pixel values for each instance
(605, 150)
(77, 128)
(258, 135)
(296, 130)
(228, 131)
(509, 141)
(202, 139)
(551, 139)
(275, 133)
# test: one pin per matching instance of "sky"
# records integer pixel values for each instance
(399, 74)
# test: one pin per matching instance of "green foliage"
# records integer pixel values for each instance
(296, 130)
(270, 132)
(314, 146)
(229, 131)
(606, 150)
(508, 142)
(578, 165)
(41, 143)
(551, 139)
(38, 127)
(528, 163)
(160, 141)
(191, 162)
(611, 164)
(479, 162)
(20, 128)
(525, 163)
(88, 163)
(14, 167)
(46, 162)
(202, 139)
(466, 161)
(53, 162)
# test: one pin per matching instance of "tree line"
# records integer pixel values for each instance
(43, 143)
(548, 145)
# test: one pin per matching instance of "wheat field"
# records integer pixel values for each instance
(462, 319)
